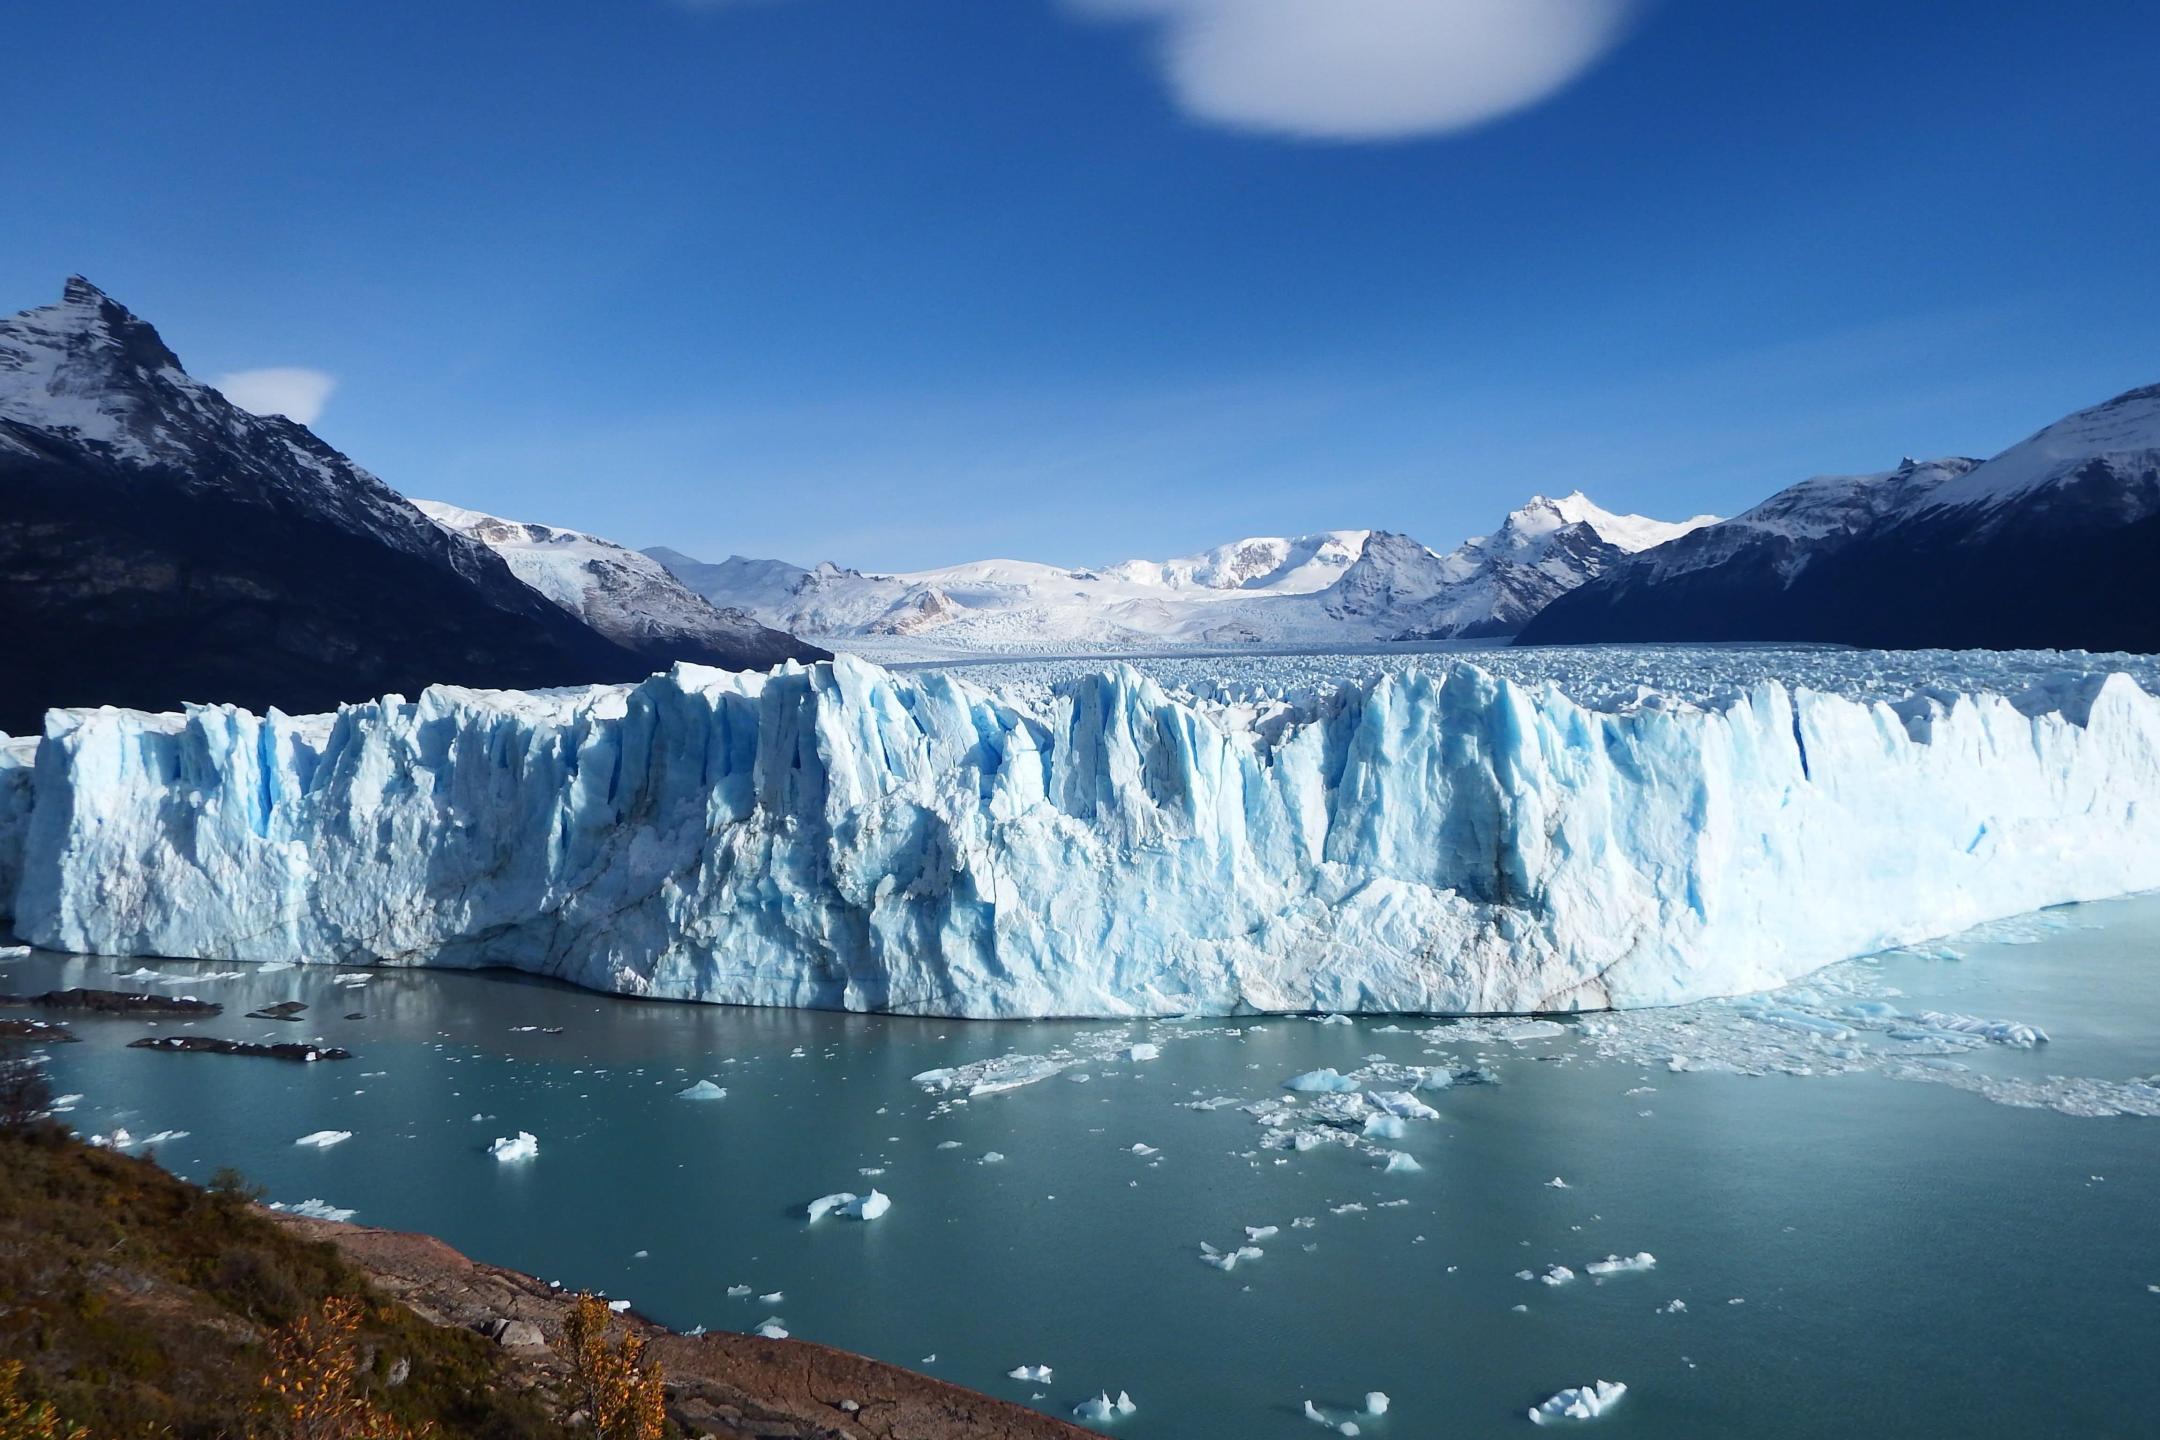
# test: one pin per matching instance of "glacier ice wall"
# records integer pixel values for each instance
(841, 836)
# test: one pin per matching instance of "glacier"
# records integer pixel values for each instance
(1437, 838)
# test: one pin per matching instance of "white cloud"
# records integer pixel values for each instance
(1370, 69)
(287, 390)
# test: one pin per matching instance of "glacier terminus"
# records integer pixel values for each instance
(1434, 838)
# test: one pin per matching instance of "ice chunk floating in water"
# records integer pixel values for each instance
(1102, 1409)
(841, 836)
(522, 1146)
(850, 1205)
(1584, 1402)
(703, 1090)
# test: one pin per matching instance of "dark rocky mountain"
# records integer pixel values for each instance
(2051, 544)
(160, 545)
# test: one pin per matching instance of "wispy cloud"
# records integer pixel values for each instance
(1369, 69)
(296, 393)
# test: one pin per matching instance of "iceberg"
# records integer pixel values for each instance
(1420, 840)
(849, 1205)
(703, 1090)
(1579, 1402)
(315, 1210)
(522, 1146)
(324, 1139)
(1321, 1082)
(1101, 1409)
(1622, 1264)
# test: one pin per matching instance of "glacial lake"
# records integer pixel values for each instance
(1875, 1227)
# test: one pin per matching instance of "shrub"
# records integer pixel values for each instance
(626, 1399)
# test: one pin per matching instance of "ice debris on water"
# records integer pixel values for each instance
(772, 1328)
(1036, 1374)
(851, 1206)
(1102, 1409)
(1401, 1162)
(2002, 1032)
(1321, 1082)
(1229, 1259)
(522, 1146)
(1340, 1427)
(324, 1139)
(703, 1090)
(1579, 1402)
(1376, 1402)
(315, 1210)
(1622, 1264)
(1144, 1052)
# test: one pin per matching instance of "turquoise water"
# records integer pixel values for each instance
(1913, 1258)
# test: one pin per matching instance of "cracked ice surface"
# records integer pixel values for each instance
(1431, 836)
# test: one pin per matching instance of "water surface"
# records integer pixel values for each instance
(1856, 1253)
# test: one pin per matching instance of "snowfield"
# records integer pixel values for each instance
(1538, 831)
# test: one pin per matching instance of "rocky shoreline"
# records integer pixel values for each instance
(720, 1384)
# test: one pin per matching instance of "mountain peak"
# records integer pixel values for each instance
(90, 331)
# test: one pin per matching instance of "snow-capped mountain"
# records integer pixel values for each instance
(628, 597)
(1492, 584)
(2049, 545)
(159, 544)
(1339, 586)
(997, 605)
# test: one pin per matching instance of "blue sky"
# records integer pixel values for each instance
(901, 282)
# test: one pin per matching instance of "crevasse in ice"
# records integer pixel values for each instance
(1422, 840)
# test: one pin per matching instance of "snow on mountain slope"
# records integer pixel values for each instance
(1492, 584)
(1278, 566)
(1339, 586)
(841, 836)
(159, 545)
(626, 596)
(2048, 545)
(2120, 438)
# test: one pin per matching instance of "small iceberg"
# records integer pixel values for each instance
(1321, 1082)
(1400, 1162)
(324, 1139)
(522, 1146)
(315, 1210)
(1229, 1259)
(772, 1328)
(1340, 1427)
(1037, 1374)
(703, 1090)
(1579, 1402)
(1376, 1402)
(1102, 1409)
(1144, 1052)
(1402, 1104)
(1622, 1264)
(848, 1205)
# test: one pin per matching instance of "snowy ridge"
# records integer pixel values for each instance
(840, 836)
(2122, 436)
(2044, 546)
(628, 597)
(1339, 586)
